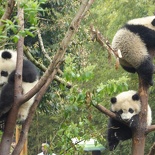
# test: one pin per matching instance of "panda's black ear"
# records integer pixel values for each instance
(6, 55)
(113, 100)
(153, 22)
(135, 97)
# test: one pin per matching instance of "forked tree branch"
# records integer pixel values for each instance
(11, 119)
(152, 150)
(96, 35)
(43, 68)
(42, 46)
(58, 58)
(50, 73)
(150, 129)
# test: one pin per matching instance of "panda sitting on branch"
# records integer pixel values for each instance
(136, 42)
(7, 80)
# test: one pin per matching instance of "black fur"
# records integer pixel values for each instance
(6, 55)
(6, 98)
(146, 34)
(129, 69)
(145, 71)
(153, 22)
(117, 131)
(29, 74)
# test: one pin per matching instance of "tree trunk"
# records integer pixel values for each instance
(138, 139)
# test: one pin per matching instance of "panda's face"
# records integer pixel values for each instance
(3, 77)
(126, 104)
(7, 64)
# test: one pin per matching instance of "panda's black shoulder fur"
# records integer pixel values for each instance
(145, 33)
(30, 73)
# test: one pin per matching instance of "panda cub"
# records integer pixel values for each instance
(7, 78)
(136, 41)
(127, 106)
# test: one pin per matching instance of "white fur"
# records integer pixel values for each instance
(129, 44)
(7, 64)
(24, 108)
(125, 101)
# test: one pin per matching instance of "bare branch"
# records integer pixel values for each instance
(105, 111)
(96, 35)
(58, 58)
(42, 46)
(101, 108)
(152, 150)
(150, 129)
(44, 51)
(50, 76)
(43, 68)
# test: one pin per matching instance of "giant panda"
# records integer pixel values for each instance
(7, 79)
(127, 106)
(136, 42)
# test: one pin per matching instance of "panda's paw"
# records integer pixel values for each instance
(133, 122)
(21, 118)
(22, 115)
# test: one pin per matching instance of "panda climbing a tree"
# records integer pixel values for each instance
(7, 80)
(136, 43)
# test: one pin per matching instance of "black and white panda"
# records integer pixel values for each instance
(7, 73)
(136, 42)
(127, 106)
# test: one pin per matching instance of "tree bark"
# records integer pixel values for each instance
(11, 120)
(8, 11)
(139, 136)
(50, 73)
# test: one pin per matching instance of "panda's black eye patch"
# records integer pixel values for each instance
(3, 73)
(131, 110)
(120, 112)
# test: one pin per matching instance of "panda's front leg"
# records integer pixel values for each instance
(133, 121)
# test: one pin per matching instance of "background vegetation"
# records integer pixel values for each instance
(63, 114)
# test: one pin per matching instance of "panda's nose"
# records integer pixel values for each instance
(126, 120)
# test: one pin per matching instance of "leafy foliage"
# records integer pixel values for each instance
(63, 113)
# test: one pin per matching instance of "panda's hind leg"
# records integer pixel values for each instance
(129, 69)
(146, 70)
